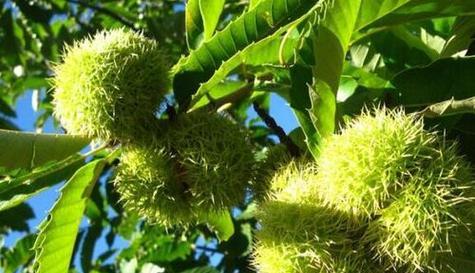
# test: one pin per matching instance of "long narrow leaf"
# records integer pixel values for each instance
(29, 150)
(55, 242)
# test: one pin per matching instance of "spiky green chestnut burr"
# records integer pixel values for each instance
(298, 233)
(109, 86)
(412, 189)
(200, 164)
(148, 185)
(374, 156)
(430, 217)
(213, 156)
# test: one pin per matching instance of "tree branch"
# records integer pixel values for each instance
(294, 150)
(450, 107)
(105, 11)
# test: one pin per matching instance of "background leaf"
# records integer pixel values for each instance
(16, 218)
(461, 36)
(451, 107)
(440, 81)
(19, 255)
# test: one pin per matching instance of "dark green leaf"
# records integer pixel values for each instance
(6, 109)
(440, 81)
(300, 101)
(16, 218)
(205, 269)
(7, 124)
(462, 35)
(92, 235)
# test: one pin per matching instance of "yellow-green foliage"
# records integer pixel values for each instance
(299, 234)
(201, 163)
(214, 157)
(110, 85)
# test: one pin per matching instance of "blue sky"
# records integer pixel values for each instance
(42, 202)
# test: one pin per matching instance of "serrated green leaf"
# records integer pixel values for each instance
(55, 242)
(266, 51)
(302, 78)
(30, 150)
(323, 109)
(252, 26)
(276, 50)
(414, 42)
(222, 92)
(440, 81)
